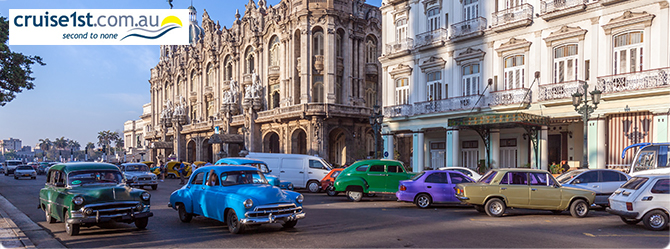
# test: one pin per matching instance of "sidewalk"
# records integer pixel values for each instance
(14, 225)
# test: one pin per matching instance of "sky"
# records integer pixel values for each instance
(86, 89)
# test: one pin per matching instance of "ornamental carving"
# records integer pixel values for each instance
(627, 19)
(565, 32)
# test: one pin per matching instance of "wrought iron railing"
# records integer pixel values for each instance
(507, 97)
(560, 90)
(450, 104)
(634, 81)
(401, 45)
(467, 27)
(555, 5)
(429, 37)
(398, 110)
(524, 11)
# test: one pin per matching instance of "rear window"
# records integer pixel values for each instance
(362, 168)
(24, 168)
(417, 176)
(488, 177)
(661, 187)
(635, 183)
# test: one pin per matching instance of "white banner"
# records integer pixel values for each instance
(98, 27)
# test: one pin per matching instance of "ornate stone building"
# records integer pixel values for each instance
(300, 77)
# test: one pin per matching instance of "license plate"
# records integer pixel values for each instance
(26, 174)
(617, 205)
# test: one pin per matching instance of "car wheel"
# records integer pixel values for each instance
(655, 220)
(495, 207)
(234, 225)
(354, 195)
(142, 223)
(183, 215)
(331, 191)
(313, 187)
(34, 177)
(423, 201)
(630, 221)
(290, 224)
(480, 208)
(154, 187)
(579, 209)
(48, 216)
(71, 229)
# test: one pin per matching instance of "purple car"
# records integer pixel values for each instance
(431, 186)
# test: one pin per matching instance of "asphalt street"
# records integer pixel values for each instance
(336, 222)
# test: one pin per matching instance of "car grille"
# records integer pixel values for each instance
(274, 210)
(111, 209)
(147, 178)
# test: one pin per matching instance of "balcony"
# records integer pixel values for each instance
(237, 120)
(273, 72)
(516, 17)
(448, 105)
(558, 91)
(398, 111)
(552, 9)
(509, 97)
(371, 69)
(247, 78)
(468, 29)
(318, 109)
(431, 38)
(649, 82)
(399, 47)
(608, 2)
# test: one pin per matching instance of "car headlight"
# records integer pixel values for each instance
(248, 203)
(78, 200)
(134, 178)
(300, 198)
(153, 177)
(145, 196)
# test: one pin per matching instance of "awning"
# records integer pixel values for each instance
(226, 138)
(508, 120)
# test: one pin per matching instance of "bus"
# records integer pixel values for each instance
(649, 158)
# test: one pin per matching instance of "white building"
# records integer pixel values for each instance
(134, 131)
(459, 73)
(11, 144)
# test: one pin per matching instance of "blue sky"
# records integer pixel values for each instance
(86, 89)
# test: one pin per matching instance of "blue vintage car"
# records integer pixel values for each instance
(260, 165)
(240, 196)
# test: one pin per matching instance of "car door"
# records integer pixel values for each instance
(588, 180)
(211, 196)
(197, 189)
(543, 193)
(435, 184)
(394, 174)
(658, 195)
(454, 178)
(516, 191)
(317, 170)
(48, 193)
(293, 170)
(376, 178)
(610, 182)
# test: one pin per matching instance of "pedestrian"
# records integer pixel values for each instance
(161, 170)
(182, 172)
(565, 166)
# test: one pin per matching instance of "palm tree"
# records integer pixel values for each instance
(45, 144)
(106, 138)
(74, 145)
(61, 143)
(90, 146)
(119, 145)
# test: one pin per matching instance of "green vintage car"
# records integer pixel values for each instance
(371, 177)
(523, 188)
(86, 194)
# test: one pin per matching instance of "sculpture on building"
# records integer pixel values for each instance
(233, 91)
(256, 86)
(180, 111)
(247, 92)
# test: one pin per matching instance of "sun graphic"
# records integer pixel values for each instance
(171, 19)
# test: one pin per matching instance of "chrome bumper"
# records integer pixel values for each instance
(273, 218)
(462, 198)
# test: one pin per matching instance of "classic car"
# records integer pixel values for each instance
(467, 171)
(602, 181)
(260, 165)
(643, 198)
(173, 169)
(138, 175)
(431, 186)
(25, 171)
(371, 177)
(87, 194)
(499, 189)
(240, 196)
(329, 179)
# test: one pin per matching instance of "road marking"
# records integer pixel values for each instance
(625, 235)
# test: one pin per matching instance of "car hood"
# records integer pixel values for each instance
(262, 194)
(105, 193)
(130, 174)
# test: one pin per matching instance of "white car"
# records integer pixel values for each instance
(467, 171)
(643, 198)
(602, 181)
(25, 171)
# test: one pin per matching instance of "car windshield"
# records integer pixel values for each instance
(137, 168)
(417, 176)
(488, 177)
(335, 174)
(94, 177)
(635, 183)
(24, 168)
(242, 177)
(567, 176)
(260, 166)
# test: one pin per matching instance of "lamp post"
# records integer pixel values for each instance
(582, 107)
(376, 119)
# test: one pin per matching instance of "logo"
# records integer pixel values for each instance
(98, 27)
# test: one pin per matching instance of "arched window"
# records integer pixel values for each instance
(339, 43)
(275, 99)
(514, 72)
(402, 91)
(318, 42)
(401, 29)
(229, 69)
(471, 79)
(210, 75)
(565, 63)
(274, 51)
(628, 53)
(470, 9)
(168, 91)
(371, 50)
(193, 81)
(179, 86)
(249, 55)
(434, 86)
(317, 90)
(433, 16)
(371, 95)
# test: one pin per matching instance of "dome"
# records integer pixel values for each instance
(194, 30)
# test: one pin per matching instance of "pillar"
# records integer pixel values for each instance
(661, 128)
(602, 140)
(453, 148)
(494, 139)
(544, 149)
(418, 155)
(388, 147)
(592, 143)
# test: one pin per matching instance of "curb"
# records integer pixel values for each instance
(12, 215)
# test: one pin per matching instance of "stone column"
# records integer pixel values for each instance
(453, 148)
(329, 63)
(602, 140)
(494, 139)
(544, 149)
(389, 147)
(305, 65)
(418, 155)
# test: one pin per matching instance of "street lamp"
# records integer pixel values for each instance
(585, 110)
(376, 119)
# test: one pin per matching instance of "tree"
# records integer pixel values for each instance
(106, 138)
(15, 68)
(45, 144)
(90, 146)
(74, 145)
(61, 143)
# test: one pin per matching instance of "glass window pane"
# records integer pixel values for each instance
(519, 178)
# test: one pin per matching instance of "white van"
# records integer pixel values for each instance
(10, 165)
(303, 171)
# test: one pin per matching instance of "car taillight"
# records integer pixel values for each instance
(629, 206)
(457, 190)
(403, 188)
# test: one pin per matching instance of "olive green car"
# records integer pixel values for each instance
(371, 177)
(86, 194)
(523, 188)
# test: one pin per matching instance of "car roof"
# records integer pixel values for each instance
(79, 166)
(128, 164)
(238, 160)
(521, 170)
(227, 168)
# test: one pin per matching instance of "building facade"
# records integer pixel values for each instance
(300, 77)
(472, 80)
(135, 145)
(11, 144)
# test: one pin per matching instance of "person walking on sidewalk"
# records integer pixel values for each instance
(182, 172)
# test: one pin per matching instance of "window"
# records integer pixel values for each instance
(470, 9)
(229, 69)
(591, 176)
(377, 168)
(518, 178)
(565, 63)
(274, 52)
(402, 91)
(433, 19)
(587, 69)
(317, 91)
(488, 177)
(318, 43)
(514, 3)
(662, 186)
(434, 86)
(193, 80)
(250, 59)
(210, 75)
(198, 178)
(371, 47)
(362, 168)
(612, 176)
(401, 29)
(539, 179)
(393, 169)
(179, 86)
(458, 178)
(194, 111)
(314, 164)
(635, 183)
(275, 99)
(628, 52)
(439, 177)
(338, 43)
(470, 79)
(514, 72)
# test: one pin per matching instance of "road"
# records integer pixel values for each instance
(336, 222)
